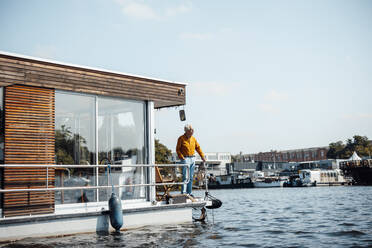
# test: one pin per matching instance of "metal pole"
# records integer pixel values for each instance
(96, 144)
(206, 177)
(96, 187)
(89, 187)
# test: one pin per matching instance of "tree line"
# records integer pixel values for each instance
(360, 144)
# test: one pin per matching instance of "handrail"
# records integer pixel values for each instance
(94, 166)
(91, 166)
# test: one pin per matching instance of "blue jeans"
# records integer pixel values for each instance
(190, 161)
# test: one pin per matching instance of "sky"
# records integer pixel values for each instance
(261, 75)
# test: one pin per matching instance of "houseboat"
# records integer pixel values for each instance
(69, 136)
(360, 171)
(321, 177)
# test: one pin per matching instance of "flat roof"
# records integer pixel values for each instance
(87, 67)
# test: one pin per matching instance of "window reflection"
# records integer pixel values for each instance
(1, 137)
(75, 144)
(1, 125)
(121, 140)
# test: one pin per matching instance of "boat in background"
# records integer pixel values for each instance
(360, 171)
(229, 182)
(321, 177)
(262, 181)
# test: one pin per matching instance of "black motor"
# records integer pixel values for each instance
(215, 202)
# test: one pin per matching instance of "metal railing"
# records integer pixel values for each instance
(187, 178)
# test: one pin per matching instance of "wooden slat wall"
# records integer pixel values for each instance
(17, 70)
(29, 139)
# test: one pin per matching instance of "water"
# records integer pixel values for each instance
(271, 217)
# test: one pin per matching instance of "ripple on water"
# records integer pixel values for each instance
(352, 233)
(252, 218)
(275, 231)
(214, 236)
(347, 224)
(233, 229)
(282, 220)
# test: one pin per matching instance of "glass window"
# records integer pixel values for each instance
(120, 126)
(121, 140)
(1, 137)
(1, 125)
(75, 145)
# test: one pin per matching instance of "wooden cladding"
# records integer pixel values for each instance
(19, 70)
(29, 139)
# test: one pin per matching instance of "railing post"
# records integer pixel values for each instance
(151, 150)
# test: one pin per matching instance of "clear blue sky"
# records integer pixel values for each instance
(261, 75)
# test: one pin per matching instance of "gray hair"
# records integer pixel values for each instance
(188, 127)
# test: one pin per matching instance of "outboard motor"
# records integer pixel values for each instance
(116, 212)
(216, 203)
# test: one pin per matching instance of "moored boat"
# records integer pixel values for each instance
(262, 181)
(359, 170)
(229, 182)
(268, 183)
(321, 177)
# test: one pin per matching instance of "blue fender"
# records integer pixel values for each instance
(116, 213)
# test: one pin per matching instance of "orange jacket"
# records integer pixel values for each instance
(186, 147)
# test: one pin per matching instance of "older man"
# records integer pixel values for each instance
(186, 146)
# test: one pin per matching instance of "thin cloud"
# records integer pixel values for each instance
(210, 88)
(272, 100)
(181, 9)
(138, 11)
(142, 11)
(45, 51)
(357, 116)
(269, 108)
(219, 35)
(276, 96)
(196, 36)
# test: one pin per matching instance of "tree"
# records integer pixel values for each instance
(70, 148)
(335, 150)
(162, 154)
(359, 144)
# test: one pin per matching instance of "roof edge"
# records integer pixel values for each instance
(50, 61)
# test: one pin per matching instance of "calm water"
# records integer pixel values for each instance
(276, 217)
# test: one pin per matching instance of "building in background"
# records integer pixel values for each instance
(216, 161)
(282, 168)
(296, 155)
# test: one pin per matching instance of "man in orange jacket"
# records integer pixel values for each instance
(186, 146)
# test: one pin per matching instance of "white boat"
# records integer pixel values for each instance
(268, 183)
(321, 177)
(262, 181)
